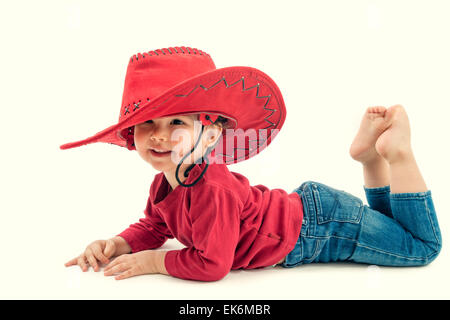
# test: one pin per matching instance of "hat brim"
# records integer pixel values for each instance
(245, 95)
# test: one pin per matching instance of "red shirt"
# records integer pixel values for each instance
(223, 221)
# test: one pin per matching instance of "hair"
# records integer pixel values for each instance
(222, 121)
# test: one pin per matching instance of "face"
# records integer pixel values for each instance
(162, 142)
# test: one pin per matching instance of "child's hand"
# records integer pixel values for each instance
(97, 251)
(129, 265)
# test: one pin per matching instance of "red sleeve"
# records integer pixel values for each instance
(215, 220)
(149, 233)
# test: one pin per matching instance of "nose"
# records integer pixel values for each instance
(159, 134)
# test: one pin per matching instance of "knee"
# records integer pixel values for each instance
(433, 251)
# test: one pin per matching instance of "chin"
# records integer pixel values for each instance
(160, 166)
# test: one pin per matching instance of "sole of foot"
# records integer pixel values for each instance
(374, 122)
(394, 144)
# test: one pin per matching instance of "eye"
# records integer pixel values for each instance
(149, 121)
(177, 121)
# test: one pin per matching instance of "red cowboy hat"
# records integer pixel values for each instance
(183, 80)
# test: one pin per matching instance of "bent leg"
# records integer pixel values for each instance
(412, 238)
(338, 227)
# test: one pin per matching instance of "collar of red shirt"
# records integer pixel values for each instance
(162, 193)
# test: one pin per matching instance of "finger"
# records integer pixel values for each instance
(97, 252)
(114, 263)
(82, 263)
(109, 249)
(116, 269)
(126, 274)
(91, 259)
(71, 262)
(93, 262)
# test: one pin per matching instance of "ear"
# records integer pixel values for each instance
(213, 133)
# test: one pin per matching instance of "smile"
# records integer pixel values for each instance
(160, 153)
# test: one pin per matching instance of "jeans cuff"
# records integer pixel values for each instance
(385, 189)
(411, 195)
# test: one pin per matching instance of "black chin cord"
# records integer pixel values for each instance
(186, 173)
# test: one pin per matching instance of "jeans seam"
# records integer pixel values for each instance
(396, 255)
(319, 210)
(432, 226)
(319, 239)
(315, 254)
(328, 237)
(406, 196)
(316, 201)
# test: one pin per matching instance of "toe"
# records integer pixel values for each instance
(376, 109)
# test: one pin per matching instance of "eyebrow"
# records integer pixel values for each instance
(181, 116)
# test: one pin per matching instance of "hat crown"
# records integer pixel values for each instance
(152, 73)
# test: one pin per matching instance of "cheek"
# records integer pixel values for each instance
(182, 140)
(182, 146)
(137, 142)
(140, 135)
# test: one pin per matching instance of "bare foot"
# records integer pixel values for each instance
(374, 122)
(395, 142)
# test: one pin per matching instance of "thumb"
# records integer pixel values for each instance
(110, 248)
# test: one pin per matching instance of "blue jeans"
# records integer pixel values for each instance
(395, 229)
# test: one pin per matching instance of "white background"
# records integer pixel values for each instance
(63, 67)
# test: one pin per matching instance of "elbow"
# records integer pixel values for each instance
(221, 274)
(217, 273)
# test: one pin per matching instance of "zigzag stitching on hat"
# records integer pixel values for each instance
(229, 86)
(243, 89)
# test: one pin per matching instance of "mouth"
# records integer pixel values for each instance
(160, 152)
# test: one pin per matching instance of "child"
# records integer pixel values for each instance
(189, 120)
